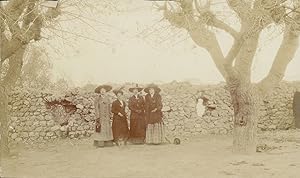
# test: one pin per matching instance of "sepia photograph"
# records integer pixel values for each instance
(149, 89)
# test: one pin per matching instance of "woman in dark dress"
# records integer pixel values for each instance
(136, 105)
(155, 133)
(119, 124)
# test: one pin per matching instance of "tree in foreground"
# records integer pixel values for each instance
(200, 20)
(21, 23)
(24, 23)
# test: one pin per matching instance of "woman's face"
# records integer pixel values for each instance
(119, 95)
(151, 91)
(135, 91)
(102, 91)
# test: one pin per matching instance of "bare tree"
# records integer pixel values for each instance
(23, 22)
(201, 22)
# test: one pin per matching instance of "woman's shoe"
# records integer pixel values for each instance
(108, 143)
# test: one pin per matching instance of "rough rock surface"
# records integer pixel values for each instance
(37, 116)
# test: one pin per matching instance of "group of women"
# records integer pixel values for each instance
(146, 125)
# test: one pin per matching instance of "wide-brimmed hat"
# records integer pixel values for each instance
(155, 87)
(118, 90)
(106, 87)
(136, 87)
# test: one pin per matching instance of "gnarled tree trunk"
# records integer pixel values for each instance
(245, 99)
(4, 122)
(13, 73)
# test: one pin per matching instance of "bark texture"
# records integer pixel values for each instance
(4, 122)
(245, 103)
(13, 73)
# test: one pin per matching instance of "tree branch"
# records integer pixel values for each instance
(15, 68)
(9, 48)
(246, 40)
(206, 39)
(217, 57)
(245, 57)
(30, 13)
(234, 51)
(284, 55)
(13, 11)
(241, 8)
(210, 19)
(214, 22)
(31, 29)
(3, 41)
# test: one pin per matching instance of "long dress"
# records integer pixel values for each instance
(102, 113)
(155, 132)
(119, 125)
(137, 119)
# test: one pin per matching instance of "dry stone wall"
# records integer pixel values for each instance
(39, 116)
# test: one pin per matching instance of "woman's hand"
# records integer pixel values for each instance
(98, 125)
(120, 114)
(138, 111)
(98, 121)
(154, 110)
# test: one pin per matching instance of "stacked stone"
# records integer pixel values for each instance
(33, 121)
(80, 121)
(277, 108)
(219, 115)
(29, 119)
(181, 115)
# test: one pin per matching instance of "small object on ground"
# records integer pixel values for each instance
(264, 148)
(261, 147)
(176, 141)
(239, 163)
(257, 164)
(227, 173)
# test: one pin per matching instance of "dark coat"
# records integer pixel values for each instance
(119, 125)
(137, 117)
(136, 105)
(152, 103)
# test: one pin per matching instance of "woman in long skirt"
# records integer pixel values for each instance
(136, 105)
(103, 133)
(120, 124)
(153, 105)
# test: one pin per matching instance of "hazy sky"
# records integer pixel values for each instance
(143, 50)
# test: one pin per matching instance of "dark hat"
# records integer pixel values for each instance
(106, 87)
(155, 87)
(119, 90)
(136, 87)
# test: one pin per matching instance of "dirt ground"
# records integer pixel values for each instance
(202, 156)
